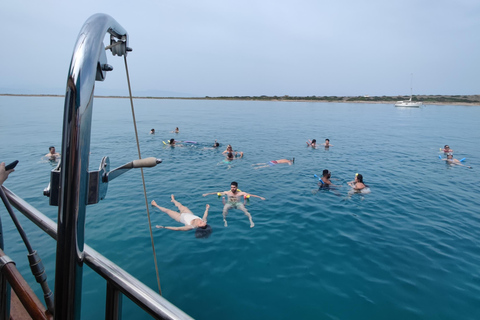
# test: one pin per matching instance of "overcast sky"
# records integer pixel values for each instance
(253, 47)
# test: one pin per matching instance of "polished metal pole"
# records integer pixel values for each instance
(86, 64)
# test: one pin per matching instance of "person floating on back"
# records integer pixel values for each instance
(452, 161)
(186, 217)
(273, 162)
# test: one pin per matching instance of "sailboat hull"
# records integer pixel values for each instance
(409, 104)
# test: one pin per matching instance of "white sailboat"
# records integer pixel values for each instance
(409, 102)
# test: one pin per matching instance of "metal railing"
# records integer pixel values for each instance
(118, 280)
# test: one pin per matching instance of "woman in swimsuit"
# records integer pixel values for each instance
(229, 149)
(186, 217)
(357, 184)
(312, 143)
(447, 149)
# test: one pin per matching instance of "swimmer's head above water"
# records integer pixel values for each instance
(359, 177)
(203, 232)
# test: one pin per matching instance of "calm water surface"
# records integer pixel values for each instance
(407, 250)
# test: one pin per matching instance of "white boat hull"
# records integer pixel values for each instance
(410, 104)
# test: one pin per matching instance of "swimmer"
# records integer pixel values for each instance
(324, 182)
(152, 131)
(4, 173)
(234, 201)
(172, 142)
(452, 161)
(52, 155)
(216, 144)
(357, 184)
(327, 144)
(273, 162)
(176, 130)
(231, 156)
(312, 143)
(229, 149)
(446, 149)
(186, 217)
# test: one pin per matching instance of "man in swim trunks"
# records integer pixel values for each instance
(184, 216)
(234, 201)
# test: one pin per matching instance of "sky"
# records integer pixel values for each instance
(252, 47)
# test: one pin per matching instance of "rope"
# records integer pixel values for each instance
(143, 177)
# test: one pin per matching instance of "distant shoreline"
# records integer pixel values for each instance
(466, 100)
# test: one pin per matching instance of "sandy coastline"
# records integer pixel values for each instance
(475, 99)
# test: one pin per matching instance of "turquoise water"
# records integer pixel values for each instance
(407, 250)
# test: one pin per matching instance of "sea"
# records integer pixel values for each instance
(409, 249)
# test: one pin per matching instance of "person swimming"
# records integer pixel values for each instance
(273, 162)
(357, 184)
(450, 160)
(234, 196)
(327, 144)
(52, 155)
(446, 149)
(312, 143)
(231, 156)
(324, 182)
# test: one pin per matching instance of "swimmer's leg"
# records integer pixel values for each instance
(225, 212)
(180, 207)
(242, 207)
(173, 214)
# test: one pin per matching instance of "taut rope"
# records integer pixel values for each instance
(143, 178)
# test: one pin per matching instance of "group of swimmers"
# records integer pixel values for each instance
(192, 221)
(449, 159)
(313, 143)
(236, 198)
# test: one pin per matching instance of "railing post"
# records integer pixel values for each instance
(85, 68)
(113, 304)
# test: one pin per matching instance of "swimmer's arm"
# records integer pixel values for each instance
(205, 215)
(252, 195)
(207, 194)
(184, 228)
